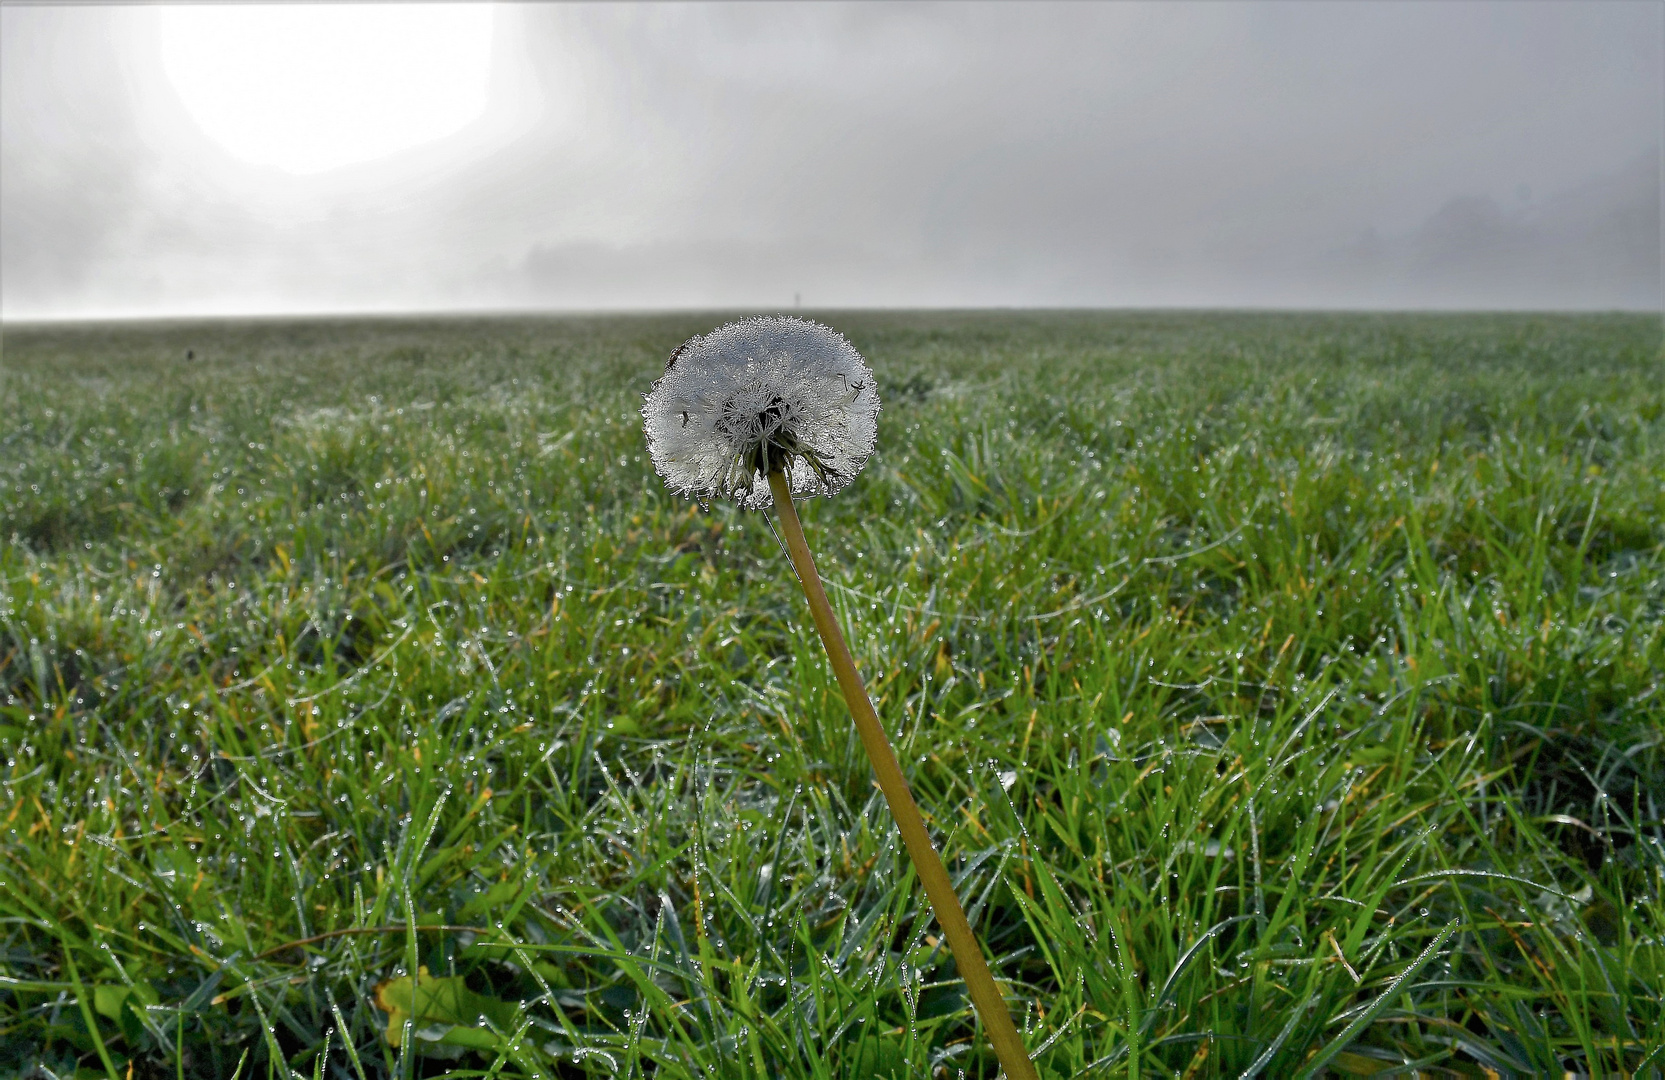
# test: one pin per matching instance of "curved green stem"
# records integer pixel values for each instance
(939, 890)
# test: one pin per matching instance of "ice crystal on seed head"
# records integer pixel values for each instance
(758, 395)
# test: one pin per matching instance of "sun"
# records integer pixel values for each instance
(314, 87)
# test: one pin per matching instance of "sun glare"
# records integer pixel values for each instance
(313, 87)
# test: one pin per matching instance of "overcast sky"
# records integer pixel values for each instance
(246, 159)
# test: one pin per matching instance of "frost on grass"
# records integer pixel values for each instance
(758, 395)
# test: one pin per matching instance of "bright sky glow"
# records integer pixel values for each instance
(309, 88)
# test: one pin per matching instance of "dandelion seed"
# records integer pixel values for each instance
(773, 409)
(759, 396)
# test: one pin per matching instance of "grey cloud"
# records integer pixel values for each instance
(1117, 155)
(903, 154)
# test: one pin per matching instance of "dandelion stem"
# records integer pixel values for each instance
(939, 890)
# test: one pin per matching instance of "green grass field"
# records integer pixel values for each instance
(1286, 692)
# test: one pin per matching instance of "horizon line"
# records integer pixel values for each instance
(325, 315)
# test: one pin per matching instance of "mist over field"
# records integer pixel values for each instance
(236, 160)
(1259, 570)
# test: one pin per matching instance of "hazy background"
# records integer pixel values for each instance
(245, 159)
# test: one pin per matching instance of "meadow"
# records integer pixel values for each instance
(1284, 692)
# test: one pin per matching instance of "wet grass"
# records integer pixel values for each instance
(1285, 693)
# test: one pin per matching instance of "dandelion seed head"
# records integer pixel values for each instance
(758, 395)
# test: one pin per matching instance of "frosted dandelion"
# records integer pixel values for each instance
(765, 410)
(762, 396)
